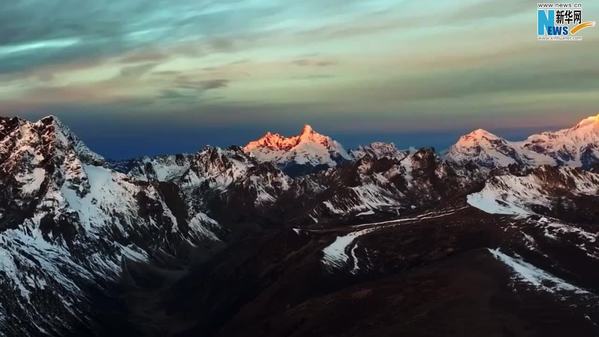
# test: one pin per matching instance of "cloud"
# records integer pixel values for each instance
(170, 94)
(213, 84)
(379, 60)
(34, 33)
(186, 90)
(41, 32)
(185, 82)
(314, 63)
(144, 56)
(136, 71)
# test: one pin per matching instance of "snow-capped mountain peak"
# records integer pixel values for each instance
(585, 130)
(309, 135)
(480, 134)
(577, 147)
(485, 148)
(65, 138)
(307, 129)
(45, 141)
(307, 148)
(379, 150)
(272, 141)
(591, 122)
(277, 142)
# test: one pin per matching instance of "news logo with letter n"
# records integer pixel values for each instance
(561, 21)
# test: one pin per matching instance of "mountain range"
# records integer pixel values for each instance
(298, 236)
(575, 147)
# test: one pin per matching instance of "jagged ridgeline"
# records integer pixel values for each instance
(212, 243)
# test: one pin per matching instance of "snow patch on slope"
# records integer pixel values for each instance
(516, 195)
(336, 256)
(495, 200)
(538, 278)
(32, 181)
(108, 191)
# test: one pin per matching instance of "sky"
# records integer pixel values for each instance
(137, 77)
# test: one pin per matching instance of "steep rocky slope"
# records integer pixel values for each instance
(67, 223)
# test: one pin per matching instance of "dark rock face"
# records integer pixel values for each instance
(452, 274)
(221, 243)
(589, 156)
